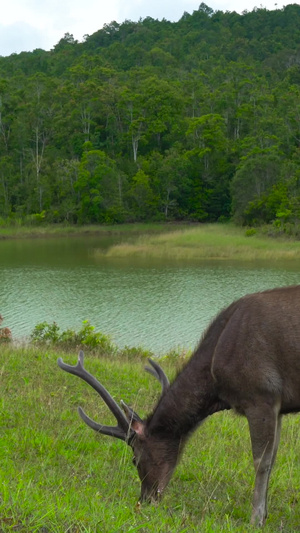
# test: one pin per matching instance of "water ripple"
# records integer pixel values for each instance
(157, 306)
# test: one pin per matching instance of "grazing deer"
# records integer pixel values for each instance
(248, 360)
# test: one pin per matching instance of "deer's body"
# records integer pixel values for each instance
(248, 360)
(250, 351)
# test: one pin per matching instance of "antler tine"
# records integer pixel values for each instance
(159, 374)
(122, 430)
(111, 431)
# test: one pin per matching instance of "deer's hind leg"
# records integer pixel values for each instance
(264, 424)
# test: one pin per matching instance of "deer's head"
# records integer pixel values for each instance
(154, 455)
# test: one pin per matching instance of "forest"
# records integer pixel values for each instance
(195, 120)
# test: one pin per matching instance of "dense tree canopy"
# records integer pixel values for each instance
(191, 120)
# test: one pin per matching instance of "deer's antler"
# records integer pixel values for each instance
(159, 374)
(122, 430)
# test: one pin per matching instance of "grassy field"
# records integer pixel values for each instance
(57, 475)
(208, 241)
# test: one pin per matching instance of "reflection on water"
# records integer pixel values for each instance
(157, 304)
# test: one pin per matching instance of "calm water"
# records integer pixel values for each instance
(156, 304)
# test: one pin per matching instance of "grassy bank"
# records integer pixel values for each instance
(173, 241)
(58, 476)
(208, 241)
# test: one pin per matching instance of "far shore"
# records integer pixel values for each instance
(63, 230)
(175, 241)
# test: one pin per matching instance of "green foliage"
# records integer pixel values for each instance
(135, 352)
(145, 121)
(250, 232)
(86, 337)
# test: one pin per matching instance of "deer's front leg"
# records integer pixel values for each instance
(264, 423)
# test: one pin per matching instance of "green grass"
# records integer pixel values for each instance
(57, 475)
(207, 241)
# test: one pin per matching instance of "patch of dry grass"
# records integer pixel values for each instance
(207, 241)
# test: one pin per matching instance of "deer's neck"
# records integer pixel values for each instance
(191, 398)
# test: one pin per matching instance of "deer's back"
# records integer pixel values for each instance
(258, 351)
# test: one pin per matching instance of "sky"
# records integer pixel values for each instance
(29, 24)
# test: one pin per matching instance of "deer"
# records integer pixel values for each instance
(248, 360)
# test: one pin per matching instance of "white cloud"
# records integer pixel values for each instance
(135, 9)
(30, 24)
(20, 36)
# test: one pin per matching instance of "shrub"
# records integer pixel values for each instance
(250, 232)
(134, 352)
(86, 337)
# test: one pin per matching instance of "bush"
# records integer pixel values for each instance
(134, 352)
(86, 337)
(250, 232)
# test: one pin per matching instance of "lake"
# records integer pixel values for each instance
(157, 304)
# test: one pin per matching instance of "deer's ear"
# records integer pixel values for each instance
(138, 427)
(130, 413)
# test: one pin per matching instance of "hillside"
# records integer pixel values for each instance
(151, 120)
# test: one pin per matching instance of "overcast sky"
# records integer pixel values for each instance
(29, 24)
